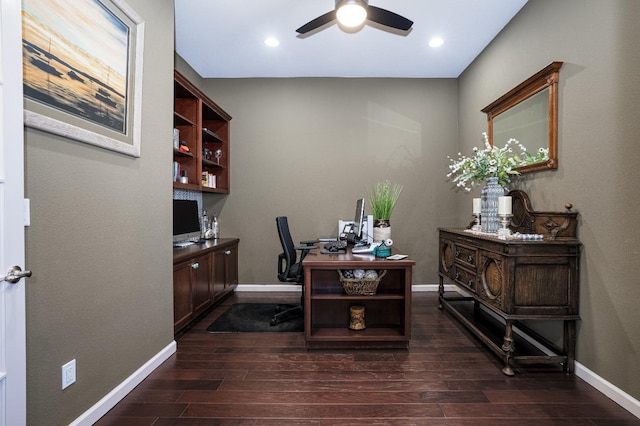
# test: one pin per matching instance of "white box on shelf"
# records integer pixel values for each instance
(176, 138)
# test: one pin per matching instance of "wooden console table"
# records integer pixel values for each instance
(326, 305)
(514, 280)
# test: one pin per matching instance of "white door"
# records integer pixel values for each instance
(13, 410)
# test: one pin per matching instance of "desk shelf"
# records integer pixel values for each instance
(374, 334)
(369, 338)
(327, 306)
(378, 296)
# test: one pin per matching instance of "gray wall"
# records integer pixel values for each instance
(598, 155)
(99, 245)
(308, 148)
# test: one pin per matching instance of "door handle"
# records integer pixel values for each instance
(14, 274)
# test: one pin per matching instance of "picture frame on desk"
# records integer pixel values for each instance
(82, 66)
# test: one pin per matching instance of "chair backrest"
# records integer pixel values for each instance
(289, 254)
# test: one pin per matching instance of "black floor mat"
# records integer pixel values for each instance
(255, 318)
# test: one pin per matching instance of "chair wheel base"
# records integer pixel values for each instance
(285, 313)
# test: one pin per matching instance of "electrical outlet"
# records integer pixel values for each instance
(68, 374)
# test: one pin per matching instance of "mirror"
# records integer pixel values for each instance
(529, 114)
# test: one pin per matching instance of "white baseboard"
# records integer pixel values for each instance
(110, 400)
(614, 393)
(296, 288)
(269, 287)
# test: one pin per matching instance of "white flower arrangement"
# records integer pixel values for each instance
(492, 162)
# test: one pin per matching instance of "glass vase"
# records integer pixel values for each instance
(489, 220)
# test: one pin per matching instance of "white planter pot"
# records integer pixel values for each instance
(381, 234)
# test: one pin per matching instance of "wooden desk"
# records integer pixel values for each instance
(326, 305)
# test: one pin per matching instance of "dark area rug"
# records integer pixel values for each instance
(255, 318)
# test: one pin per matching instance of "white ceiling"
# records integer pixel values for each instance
(225, 38)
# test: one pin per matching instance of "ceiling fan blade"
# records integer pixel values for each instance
(318, 22)
(388, 19)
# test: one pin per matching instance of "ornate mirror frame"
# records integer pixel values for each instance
(547, 78)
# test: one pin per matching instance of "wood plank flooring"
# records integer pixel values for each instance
(446, 378)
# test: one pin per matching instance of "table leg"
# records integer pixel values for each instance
(569, 341)
(508, 347)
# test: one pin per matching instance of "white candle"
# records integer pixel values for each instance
(477, 205)
(504, 205)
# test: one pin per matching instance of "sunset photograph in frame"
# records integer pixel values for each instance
(82, 71)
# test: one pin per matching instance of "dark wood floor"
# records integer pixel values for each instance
(445, 378)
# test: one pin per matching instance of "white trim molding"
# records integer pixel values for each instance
(614, 393)
(110, 400)
(297, 288)
(269, 287)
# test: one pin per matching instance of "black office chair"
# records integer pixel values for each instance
(290, 268)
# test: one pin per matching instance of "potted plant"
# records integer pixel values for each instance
(383, 199)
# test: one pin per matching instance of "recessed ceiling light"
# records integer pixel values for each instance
(272, 42)
(436, 42)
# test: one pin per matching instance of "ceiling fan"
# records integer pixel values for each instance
(353, 13)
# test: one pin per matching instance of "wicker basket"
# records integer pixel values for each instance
(360, 286)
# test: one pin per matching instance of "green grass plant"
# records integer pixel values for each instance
(383, 199)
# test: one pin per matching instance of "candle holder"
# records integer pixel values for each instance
(504, 232)
(477, 227)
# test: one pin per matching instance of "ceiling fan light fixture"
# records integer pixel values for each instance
(351, 13)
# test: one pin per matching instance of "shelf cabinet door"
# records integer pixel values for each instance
(182, 301)
(191, 293)
(201, 273)
(231, 267)
(225, 270)
(218, 277)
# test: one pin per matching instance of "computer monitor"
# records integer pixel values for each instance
(358, 220)
(352, 230)
(186, 221)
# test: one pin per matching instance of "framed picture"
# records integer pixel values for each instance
(82, 71)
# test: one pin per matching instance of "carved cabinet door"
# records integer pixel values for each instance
(492, 278)
(447, 257)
